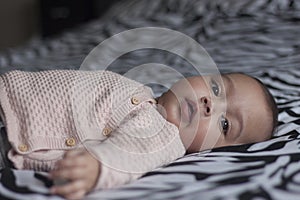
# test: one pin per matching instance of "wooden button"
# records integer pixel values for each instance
(70, 142)
(106, 131)
(135, 101)
(23, 147)
(154, 101)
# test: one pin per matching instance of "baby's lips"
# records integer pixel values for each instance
(194, 106)
(185, 111)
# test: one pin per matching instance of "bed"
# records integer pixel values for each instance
(256, 37)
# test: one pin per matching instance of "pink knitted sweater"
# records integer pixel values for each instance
(114, 118)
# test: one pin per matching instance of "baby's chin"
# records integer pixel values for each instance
(162, 110)
(169, 117)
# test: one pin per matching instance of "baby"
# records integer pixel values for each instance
(99, 129)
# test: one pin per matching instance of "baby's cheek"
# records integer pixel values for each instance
(192, 138)
(205, 136)
(213, 139)
(199, 138)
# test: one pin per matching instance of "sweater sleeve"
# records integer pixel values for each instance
(143, 142)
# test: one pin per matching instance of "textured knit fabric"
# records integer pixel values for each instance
(47, 113)
(4, 148)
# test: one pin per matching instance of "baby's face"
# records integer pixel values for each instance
(214, 111)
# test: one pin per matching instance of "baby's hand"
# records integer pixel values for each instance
(81, 170)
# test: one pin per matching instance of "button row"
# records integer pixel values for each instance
(69, 142)
(72, 142)
(107, 131)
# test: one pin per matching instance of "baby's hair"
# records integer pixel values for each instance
(271, 103)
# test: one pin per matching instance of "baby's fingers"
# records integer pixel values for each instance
(74, 187)
(78, 161)
(68, 173)
(76, 195)
(74, 153)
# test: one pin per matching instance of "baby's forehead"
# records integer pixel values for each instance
(241, 87)
(238, 80)
(237, 76)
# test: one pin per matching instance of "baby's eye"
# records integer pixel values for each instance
(215, 88)
(224, 125)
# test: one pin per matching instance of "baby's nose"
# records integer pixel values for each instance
(206, 106)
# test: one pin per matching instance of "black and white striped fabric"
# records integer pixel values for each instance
(257, 37)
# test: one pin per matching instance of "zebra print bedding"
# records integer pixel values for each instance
(257, 37)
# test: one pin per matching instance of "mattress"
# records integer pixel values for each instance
(256, 37)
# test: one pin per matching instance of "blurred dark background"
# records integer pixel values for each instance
(22, 20)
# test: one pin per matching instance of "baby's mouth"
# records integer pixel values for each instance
(188, 110)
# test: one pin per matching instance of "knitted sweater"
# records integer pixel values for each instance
(114, 118)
